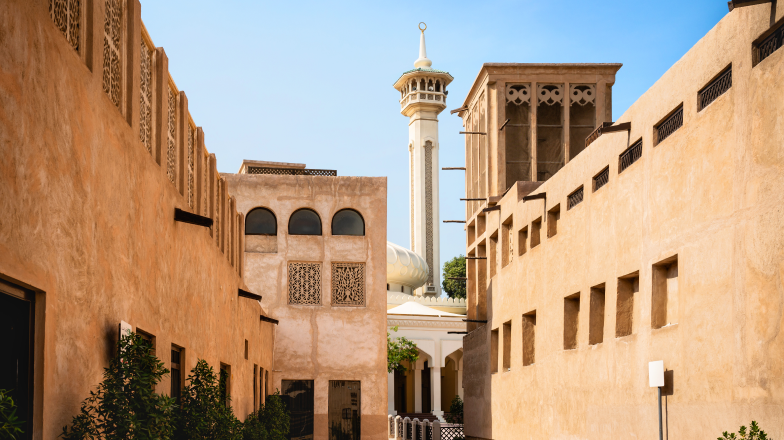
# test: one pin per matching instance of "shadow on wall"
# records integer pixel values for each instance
(667, 390)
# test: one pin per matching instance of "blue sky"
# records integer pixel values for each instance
(311, 82)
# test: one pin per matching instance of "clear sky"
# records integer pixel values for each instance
(311, 82)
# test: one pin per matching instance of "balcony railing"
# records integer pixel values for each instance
(423, 96)
(292, 171)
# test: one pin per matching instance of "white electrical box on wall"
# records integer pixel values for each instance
(656, 374)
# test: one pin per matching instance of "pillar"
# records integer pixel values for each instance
(391, 393)
(435, 390)
(417, 387)
(459, 374)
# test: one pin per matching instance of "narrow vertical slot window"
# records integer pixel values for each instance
(529, 338)
(494, 351)
(522, 240)
(571, 321)
(664, 292)
(536, 228)
(628, 288)
(507, 346)
(176, 373)
(596, 318)
(553, 216)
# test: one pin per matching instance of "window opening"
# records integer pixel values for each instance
(769, 44)
(224, 388)
(305, 283)
(629, 156)
(628, 288)
(517, 133)
(529, 338)
(536, 228)
(549, 129)
(582, 116)
(111, 50)
(17, 331)
(601, 179)
(571, 321)
(596, 318)
(494, 351)
(522, 240)
(670, 125)
(348, 284)
(664, 304)
(176, 373)
(261, 221)
(574, 199)
(348, 222)
(67, 16)
(305, 222)
(717, 87)
(553, 215)
(508, 346)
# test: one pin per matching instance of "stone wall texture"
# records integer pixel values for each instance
(710, 196)
(87, 220)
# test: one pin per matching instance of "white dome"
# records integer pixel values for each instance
(405, 267)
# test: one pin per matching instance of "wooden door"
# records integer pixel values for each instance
(344, 409)
(298, 396)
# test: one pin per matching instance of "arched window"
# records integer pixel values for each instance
(304, 222)
(348, 222)
(261, 221)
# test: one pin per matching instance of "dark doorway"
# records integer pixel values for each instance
(16, 346)
(426, 389)
(298, 397)
(401, 397)
(344, 409)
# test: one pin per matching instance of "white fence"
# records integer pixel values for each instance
(403, 428)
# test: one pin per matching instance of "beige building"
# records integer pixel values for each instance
(657, 238)
(315, 249)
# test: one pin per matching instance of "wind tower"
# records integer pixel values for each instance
(422, 98)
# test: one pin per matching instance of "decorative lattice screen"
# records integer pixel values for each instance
(67, 16)
(191, 146)
(429, 209)
(348, 284)
(171, 152)
(305, 283)
(145, 98)
(111, 50)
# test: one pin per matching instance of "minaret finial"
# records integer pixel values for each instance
(422, 61)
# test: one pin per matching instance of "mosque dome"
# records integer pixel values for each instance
(405, 267)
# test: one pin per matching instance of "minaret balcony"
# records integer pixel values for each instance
(423, 97)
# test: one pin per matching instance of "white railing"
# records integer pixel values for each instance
(407, 429)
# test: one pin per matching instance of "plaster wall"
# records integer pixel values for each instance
(324, 342)
(87, 222)
(709, 194)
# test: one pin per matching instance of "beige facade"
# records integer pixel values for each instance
(326, 290)
(97, 154)
(674, 254)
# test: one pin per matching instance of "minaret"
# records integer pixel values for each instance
(422, 98)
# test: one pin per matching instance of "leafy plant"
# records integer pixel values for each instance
(455, 414)
(400, 350)
(205, 413)
(125, 405)
(753, 434)
(10, 425)
(455, 268)
(270, 422)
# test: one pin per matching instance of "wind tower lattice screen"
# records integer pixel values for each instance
(348, 284)
(67, 16)
(111, 50)
(305, 283)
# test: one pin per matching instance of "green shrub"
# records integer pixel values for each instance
(125, 405)
(10, 425)
(399, 350)
(270, 422)
(753, 434)
(204, 413)
(455, 411)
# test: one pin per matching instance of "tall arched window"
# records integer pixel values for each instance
(305, 222)
(348, 222)
(261, 221)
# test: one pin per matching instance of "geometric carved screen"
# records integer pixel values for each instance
(191, 146)
(348, 284)
(145, 97)
(66, 15)
(111, 50)
(429, 254)
(171, 136)
(305, 283)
